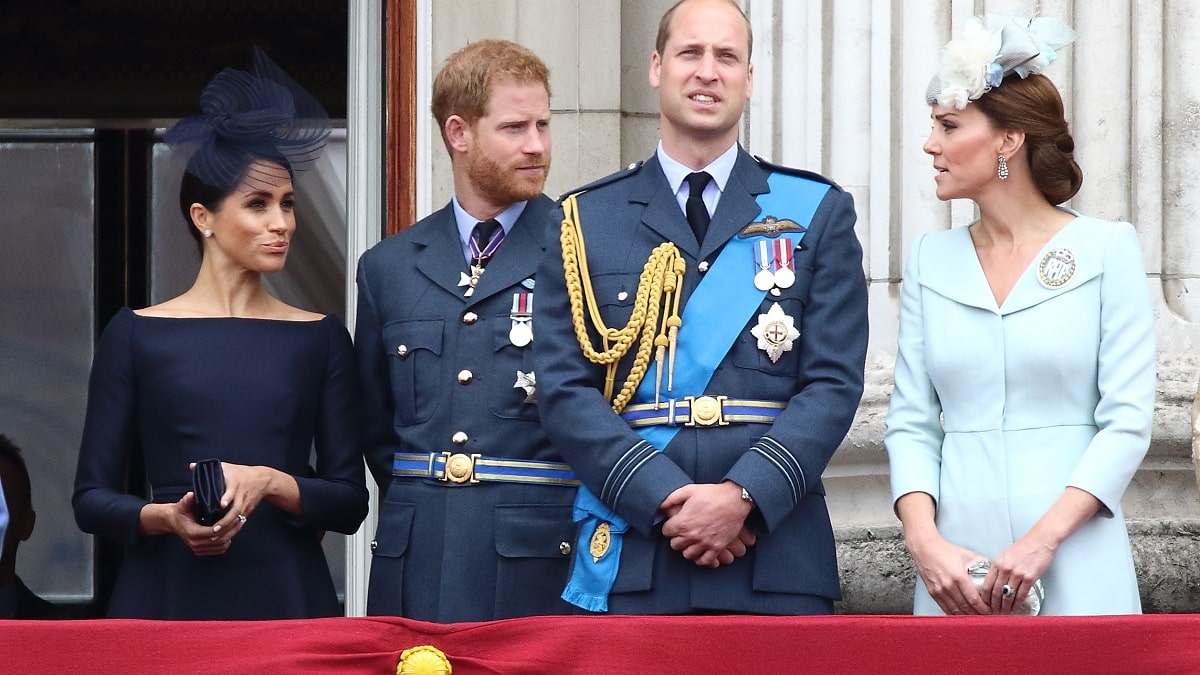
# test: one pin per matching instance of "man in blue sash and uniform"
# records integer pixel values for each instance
(475, 523)
(703, 337)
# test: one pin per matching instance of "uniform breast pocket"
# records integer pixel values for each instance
(507, 394)
(614, 295)
(773, 338)
(414, 348)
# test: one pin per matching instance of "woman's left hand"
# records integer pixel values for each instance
(245, 487)
(1016, 569)
(1030, 556)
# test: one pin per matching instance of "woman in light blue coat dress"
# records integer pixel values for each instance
(1025, 378)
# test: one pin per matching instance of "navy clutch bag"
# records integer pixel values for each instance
(208, 485)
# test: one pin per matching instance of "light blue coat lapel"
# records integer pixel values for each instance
(1029, 292)
(950, 267)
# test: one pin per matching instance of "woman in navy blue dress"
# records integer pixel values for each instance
(226, 370)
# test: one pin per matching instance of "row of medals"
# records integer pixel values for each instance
(773, 262)
(774, 265)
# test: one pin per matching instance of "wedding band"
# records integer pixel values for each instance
(1006, 590)
(242, 520)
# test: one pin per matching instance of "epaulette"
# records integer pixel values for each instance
(810, 175)
(611, 178)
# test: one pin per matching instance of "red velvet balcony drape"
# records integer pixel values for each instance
(612, 644)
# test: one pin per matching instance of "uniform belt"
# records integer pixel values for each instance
(470, 469)
(702, 411)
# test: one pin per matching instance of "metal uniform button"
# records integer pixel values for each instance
(459, 438)
(402, 351)
(374, 545)
(465, 376)
(470, 318)
(703, 266)
(621, 296)
(564, 548)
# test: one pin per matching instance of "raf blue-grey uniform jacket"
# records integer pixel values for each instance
(793, 563)
(435, 363)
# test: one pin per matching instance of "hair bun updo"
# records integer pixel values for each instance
(1033, 105)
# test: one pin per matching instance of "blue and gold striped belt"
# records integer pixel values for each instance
(702, 411)
(469, 469)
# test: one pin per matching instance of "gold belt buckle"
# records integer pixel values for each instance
(706, 411)
(460, 468)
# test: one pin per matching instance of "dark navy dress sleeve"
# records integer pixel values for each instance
(336, 497)
(100, 502)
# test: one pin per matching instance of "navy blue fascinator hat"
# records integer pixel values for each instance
(251, 116)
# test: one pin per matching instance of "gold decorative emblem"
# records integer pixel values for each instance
(776, 332)
(706, 411)
(601, 539)
(1056, 268)
(423, 660)
(460, 467)
(770, 226)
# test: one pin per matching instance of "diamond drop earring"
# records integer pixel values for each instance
(1002, 168)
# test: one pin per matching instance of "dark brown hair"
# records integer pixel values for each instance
(1033, 105)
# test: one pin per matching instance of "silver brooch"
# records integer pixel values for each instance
(1056, 268)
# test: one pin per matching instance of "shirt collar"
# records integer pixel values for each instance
(720, 168)
(466, 222)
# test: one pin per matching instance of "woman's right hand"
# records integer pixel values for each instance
(941, 564)
(178, 519)
(943, 568)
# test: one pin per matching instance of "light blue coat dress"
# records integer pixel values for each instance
(997, 410)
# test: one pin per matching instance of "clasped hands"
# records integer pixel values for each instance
(706, 522)
(943, 567)
(245, 487)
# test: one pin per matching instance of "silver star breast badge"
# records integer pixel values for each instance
(528, 382)
(775, 332)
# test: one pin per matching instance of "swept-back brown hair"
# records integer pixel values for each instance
(1034, 106)
(463, 87)
(664, 28)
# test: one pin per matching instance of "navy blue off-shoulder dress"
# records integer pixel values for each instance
(246, 391)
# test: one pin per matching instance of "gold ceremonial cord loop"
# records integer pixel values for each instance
(657, 294)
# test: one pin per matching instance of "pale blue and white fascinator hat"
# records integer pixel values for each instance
(249, 116)
(991, 48)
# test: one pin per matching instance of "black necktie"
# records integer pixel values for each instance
(697, 212)
(481, 236)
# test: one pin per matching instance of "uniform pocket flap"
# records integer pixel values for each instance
(395, 526)
(534, 531)
(402, 338)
